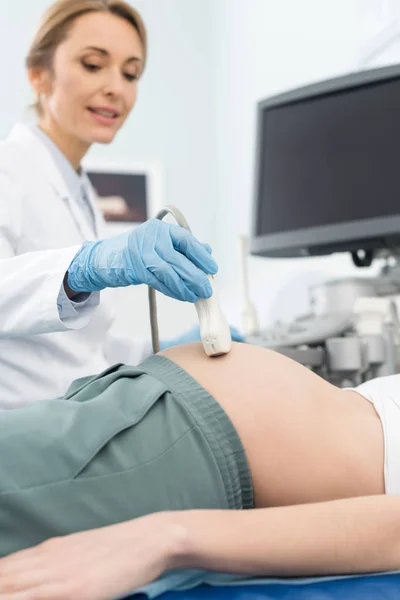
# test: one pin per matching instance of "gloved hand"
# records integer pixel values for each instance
(165, 257)
(193, 335)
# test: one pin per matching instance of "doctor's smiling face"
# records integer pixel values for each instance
(91, 85)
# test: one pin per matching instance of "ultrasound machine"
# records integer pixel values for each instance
(328, 180)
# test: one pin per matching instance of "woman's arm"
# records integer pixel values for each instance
(355, 535)
(343, 536)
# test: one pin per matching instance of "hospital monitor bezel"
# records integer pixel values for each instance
(366, 234)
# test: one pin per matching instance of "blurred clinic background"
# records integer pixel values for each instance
(193, 128)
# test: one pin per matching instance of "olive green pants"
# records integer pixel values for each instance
(130, 441)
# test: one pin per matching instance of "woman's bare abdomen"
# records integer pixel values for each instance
(305, 440)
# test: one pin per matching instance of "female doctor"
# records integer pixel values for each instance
(84, 65)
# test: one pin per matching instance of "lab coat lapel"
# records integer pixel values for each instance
(38, 152)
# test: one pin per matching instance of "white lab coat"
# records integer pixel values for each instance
(41, 229)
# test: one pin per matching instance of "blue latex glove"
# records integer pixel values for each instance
(193, 335)
(165, 257)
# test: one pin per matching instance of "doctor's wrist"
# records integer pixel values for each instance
(70, 293)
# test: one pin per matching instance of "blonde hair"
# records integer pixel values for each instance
(58, 19)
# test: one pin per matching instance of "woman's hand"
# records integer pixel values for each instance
(101, 564)
(165, 257)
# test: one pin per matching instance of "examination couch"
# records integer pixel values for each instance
(364, 587)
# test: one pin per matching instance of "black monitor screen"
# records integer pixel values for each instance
(329, 159)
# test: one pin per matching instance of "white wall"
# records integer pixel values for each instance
(380, 24)
(266, 47)
(210, 61)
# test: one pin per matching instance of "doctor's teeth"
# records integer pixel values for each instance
(105, 113)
